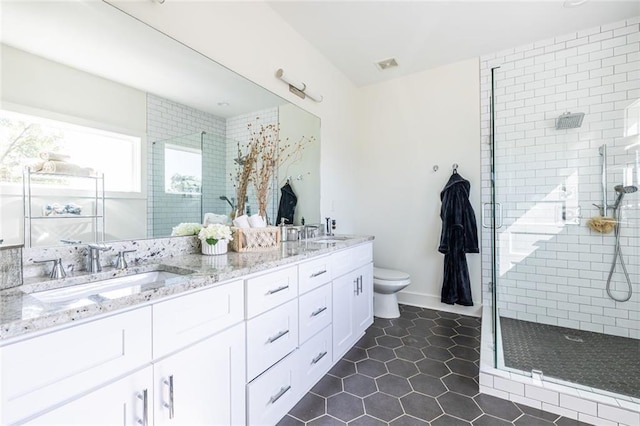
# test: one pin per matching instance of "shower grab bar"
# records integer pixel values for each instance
(499, 216)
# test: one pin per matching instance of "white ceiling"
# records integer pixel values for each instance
(426, 34)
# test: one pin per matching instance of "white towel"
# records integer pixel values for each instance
(66, 168)
(241, 221)
(210, 218)
(256, 221)
(54, 156)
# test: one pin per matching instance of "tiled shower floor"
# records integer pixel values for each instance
(419, 369)
(591, 359)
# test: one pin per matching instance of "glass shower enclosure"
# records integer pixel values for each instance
(563, 217)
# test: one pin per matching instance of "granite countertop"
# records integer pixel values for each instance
(22, 313)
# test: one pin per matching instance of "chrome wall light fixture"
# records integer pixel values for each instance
(297, 87)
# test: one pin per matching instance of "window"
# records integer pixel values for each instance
(182, 170)
(28, 140)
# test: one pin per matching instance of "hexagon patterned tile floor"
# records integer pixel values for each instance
(419, 369)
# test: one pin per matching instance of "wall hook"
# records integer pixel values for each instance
(435, 168)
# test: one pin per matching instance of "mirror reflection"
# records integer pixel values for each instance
(124, 134)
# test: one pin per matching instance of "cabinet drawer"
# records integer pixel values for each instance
(272, 395)
(52, 368)
(184, 320)
(314, 312)
(315, 358)
(270, 337)
(270, 290)
(347, 260)
(314, 273)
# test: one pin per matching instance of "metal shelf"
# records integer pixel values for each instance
(97, 198)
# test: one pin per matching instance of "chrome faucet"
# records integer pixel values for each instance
(57, 271)
(94, 256)
(310, 231)
(121, 261)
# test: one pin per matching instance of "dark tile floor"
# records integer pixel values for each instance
(573, 355)
(419, 369)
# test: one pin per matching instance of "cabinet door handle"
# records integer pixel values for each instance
(170, 404)
(318, 311)
(277, 336)
(318, 358)
(355, 286)
(281, 392)
(144, 396)
(317, 274)
(360, 284)
(284, 287)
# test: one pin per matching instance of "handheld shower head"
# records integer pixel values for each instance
(621, 190)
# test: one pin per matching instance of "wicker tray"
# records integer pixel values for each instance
(255, 239)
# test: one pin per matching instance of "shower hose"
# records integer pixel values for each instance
(618, 254)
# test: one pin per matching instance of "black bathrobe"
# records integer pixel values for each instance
(288, 201)
(459, 236)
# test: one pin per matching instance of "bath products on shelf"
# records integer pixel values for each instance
(603, 225)
(54, 209)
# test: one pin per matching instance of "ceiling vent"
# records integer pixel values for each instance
(385, 64)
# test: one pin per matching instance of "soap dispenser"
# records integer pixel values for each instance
(283, 229)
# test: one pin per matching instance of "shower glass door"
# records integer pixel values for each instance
(566, 235)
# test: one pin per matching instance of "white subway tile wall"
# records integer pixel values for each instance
(551, 268)
(178, 124)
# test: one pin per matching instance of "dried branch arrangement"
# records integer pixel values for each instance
(265, 153)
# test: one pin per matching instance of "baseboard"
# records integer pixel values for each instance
(433, 302)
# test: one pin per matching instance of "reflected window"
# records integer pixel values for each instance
(52, 146)
(182, 170)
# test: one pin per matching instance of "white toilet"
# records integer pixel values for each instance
(386, 283)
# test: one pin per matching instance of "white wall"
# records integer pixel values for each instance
(296, 124)
(251, 39)
(406, 126)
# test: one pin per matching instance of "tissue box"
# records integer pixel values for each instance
(255, 239)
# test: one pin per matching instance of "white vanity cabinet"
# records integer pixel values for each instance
(45, 372)
(237, 353)
(203, 384)
(125, 402)
(352, 297)
(200, 383)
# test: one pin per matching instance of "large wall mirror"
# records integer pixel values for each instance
(111, 130)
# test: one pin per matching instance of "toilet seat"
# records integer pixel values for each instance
(389, 274)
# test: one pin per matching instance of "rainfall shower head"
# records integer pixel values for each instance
(625, 189)
(621, 190)
(569, 120)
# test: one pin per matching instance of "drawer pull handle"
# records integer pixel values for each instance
(145, 408)
(170, 404)
(281, 392)
(318, 311)
(277, 336)
(318, 358)
(317, 274)
(284, 287)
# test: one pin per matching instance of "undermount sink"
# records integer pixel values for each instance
(331, 239)
(104, 290)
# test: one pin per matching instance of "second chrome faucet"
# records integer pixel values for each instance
(94, 256)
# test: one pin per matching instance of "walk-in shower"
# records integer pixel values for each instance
(565, 297)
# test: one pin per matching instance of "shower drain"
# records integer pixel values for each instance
(573, 338)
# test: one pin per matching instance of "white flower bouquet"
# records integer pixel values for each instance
(186, 229)
(215, 232)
